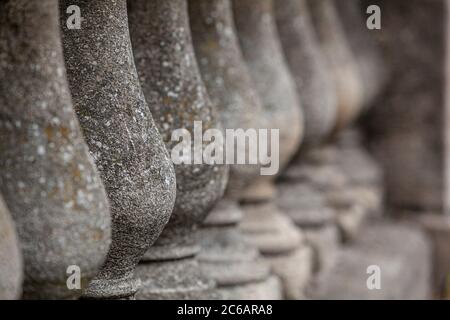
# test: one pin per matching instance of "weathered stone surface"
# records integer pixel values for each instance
(226, 77)
(123, 139)
(405, 269)
(177, 98)
(226, 256)
(352, 196)
(407, 130)
(325, 243)
(264, 224)
(175, 280)
(281, 243)
(361, 40)
(309, 209)
(295, 271)
(229, 259)
(307, 63)
(11, 268)
(263, 290)
(341, 61)
(306, 206)
(301, 199)
(47, 178)
(263, 54)
(268, 229)
(365, 176)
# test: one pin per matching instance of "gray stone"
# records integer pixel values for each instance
(123, 139)
(309, 69)
(295, 271)
(226, 256)
(47, 178)
(11, 268)
(325, 243)
(264, 225)
(270, 230)
(177, 97)
(407, 130)
(362, 43)
(437, 227)
(306, 206)
(265, 290)
(340, 59)
(299, 194)
(352, 195)
(309, 209)
(267, 66)
(402, 253)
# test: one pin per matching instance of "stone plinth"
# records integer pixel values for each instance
(47, 178)
(404, 270)
(122, 137)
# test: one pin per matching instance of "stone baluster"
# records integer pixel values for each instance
(362, 43)
(408, 130)
(123, 139)
(47, 178)
(340, 59)
(226, 257)
(349, 180)
(308, 66)
(265, 226)
(11, 271)
(178, 99)
(363, 172)
(298, 197)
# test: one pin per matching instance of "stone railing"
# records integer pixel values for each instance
(95, 97)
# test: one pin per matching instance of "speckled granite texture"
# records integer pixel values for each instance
(177, 98)
(47, 178)
(122, 137)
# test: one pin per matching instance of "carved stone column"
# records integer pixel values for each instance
(340, 59)
(361, 40)
(307, 64)
(364, 174)
(226, 257)
(177, 98)
(123, 139)
(47, 178)
(340, 170)
(11, 268)
(265, 226)
(299, 198)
